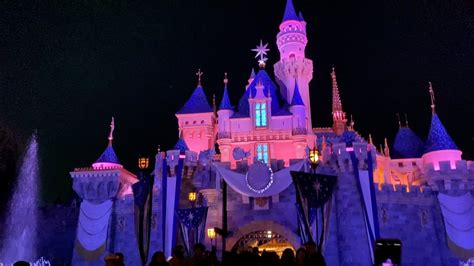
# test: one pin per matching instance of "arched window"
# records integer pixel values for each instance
(262, 152)
(260, 114)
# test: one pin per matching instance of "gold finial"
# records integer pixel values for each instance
(352, 123)
(371, 142)
(226, 80)
(399, 121)
(112, 127)
(158, 149)
(432, 96)
(386, 149)
(199, 74)
(406, 120)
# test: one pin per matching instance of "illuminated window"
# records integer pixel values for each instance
(262, 152)
(260, 114)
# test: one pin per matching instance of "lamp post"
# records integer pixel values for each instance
(314, 162)
(143, 163)
(192, 197)
(211, 233)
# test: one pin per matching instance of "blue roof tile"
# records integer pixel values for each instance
(407, 144)
(296, 96)
(197, 103)
(181, 145)
(290, 13)
(225, 103)
(438, 138)
(108, 156)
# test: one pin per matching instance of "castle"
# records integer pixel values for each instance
(421, 191)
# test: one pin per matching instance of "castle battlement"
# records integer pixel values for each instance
(341, 158)
(384, 192)
(450, 177)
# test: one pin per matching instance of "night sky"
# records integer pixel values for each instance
(66, 67)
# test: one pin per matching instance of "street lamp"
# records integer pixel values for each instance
(211, 233)
(192, 196)
(314, 157)
(143, 163)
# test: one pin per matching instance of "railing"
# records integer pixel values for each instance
(223, 135)
(299, 131)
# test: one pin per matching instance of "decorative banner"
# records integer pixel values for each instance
(92, 228)
(365, 185)
(312, 192)
(458, 214)
(193, 224)
(143, 198)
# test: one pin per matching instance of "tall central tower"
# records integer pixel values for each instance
(293, 65)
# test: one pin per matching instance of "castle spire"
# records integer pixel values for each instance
(371, 142)
(225, 102)
(386, 149)
(296, 100)
(290, 12)
(338, 116)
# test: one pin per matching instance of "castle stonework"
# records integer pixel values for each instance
(422, 189)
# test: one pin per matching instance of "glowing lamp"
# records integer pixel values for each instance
(143, 163)
(314, 157)
(211, 233)
(192, 196)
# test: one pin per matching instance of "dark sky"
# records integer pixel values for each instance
(66, 67)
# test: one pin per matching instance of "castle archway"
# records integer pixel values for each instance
(265, 235)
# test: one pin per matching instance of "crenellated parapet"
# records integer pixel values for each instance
(400, 194)
(341, 158)
(448, 177)
(189, 166)
(98, 185)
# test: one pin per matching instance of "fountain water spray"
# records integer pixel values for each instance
(19, 241)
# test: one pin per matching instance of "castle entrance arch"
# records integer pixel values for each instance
(264, 235)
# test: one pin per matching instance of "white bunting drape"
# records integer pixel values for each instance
(93, 224)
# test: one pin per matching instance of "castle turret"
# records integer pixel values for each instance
(224, 113)
(439, 145)
(291, 42)
(407, 144)
(99, 186)
(196, 120)
(339, 123)
(298, 110)
(259, 106)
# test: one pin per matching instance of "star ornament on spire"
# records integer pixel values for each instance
(261, 51)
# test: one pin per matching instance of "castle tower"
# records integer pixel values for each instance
(297, 108)
(196, 120)
(293, 65)
(260, 113)
(439, 145)
(99, 186)
(223, 133)
(339, 123)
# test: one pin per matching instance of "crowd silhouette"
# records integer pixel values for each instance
(305, 256)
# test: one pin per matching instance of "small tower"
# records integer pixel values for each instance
(299, 112)
(338, 115)
(224, 113)
(251, 78)
(196, 120)
(291, 42)
(260, 106)
(439, 146)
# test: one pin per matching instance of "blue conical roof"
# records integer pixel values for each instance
(290, 13)
(407, 144)
(225, 103)
(181, 145)
(438, 138)
(296, 96)
(108, 156)
(197, 103)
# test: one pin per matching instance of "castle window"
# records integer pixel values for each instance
(262, 152)
(260, 114)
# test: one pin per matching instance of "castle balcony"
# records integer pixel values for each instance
(299, 131)
(224, 135)
(266, 135)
